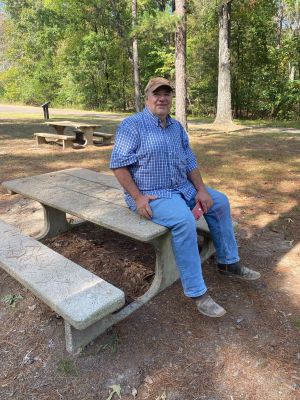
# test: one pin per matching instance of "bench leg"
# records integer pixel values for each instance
(40, 140)
(166, 273)
(88, 136)
(67, 144)
(208, 248)
(55, 222)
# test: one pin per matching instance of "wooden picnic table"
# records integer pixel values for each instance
(87, 129)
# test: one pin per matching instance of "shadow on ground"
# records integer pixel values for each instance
(166, 350)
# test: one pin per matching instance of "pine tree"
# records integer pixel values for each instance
(224, 112)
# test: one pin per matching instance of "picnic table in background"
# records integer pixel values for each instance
(86, 129)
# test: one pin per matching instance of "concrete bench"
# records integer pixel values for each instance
(67, 141)
(76, 294)
(98, 198)
(105, 136)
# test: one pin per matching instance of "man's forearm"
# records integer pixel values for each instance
(196, 179)
(125, 179)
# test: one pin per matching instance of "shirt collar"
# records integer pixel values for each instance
(156, 119)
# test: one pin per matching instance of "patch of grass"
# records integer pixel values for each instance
(206, 120)
(12, 299)
(250, 122)
(269, 123)
(112, 344)
(13, 115)
(296, 323)
(67, 367)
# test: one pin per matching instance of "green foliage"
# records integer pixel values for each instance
(80, 53)
(12, 299)
(202, 59)
(66, 366)
(296, 323)
(112, 344)
(155, 26)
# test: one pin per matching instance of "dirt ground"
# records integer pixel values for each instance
(165, 350)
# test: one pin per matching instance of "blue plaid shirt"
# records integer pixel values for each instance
(158, 158)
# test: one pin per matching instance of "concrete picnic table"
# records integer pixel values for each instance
(98, 198)
(87, 129)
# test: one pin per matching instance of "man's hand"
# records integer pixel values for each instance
(143, 207)
(142, 202)
(204, 199)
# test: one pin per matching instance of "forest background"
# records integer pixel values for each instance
(78, 53)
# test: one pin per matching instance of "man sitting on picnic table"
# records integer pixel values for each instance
(155, 165)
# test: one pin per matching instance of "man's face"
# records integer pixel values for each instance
(159, 102)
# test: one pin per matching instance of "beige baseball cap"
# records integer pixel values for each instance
(155, 83)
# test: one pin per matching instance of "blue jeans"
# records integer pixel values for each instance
(175, 214)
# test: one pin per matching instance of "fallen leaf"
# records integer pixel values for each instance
(163, 396)
(115, 389)
(290, 242)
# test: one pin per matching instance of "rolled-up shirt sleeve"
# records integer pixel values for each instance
(190, 156)
(126, 143)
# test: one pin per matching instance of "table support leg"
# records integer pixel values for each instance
(166, 273)
(88, 135)
(59, 129)
(207, 247)
(55, 222)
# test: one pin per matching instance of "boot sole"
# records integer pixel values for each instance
(235, 276)
(212, 316)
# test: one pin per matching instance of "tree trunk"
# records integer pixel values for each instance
(292, 70)
(224, 113)
(135, 59)
(180, 63)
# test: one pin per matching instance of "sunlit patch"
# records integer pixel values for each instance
(291, 260)
(288, 186)
(289, 269)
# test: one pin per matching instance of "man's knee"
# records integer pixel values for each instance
(172, 213)
(224, 201)
(220, 200)
(186, 221)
